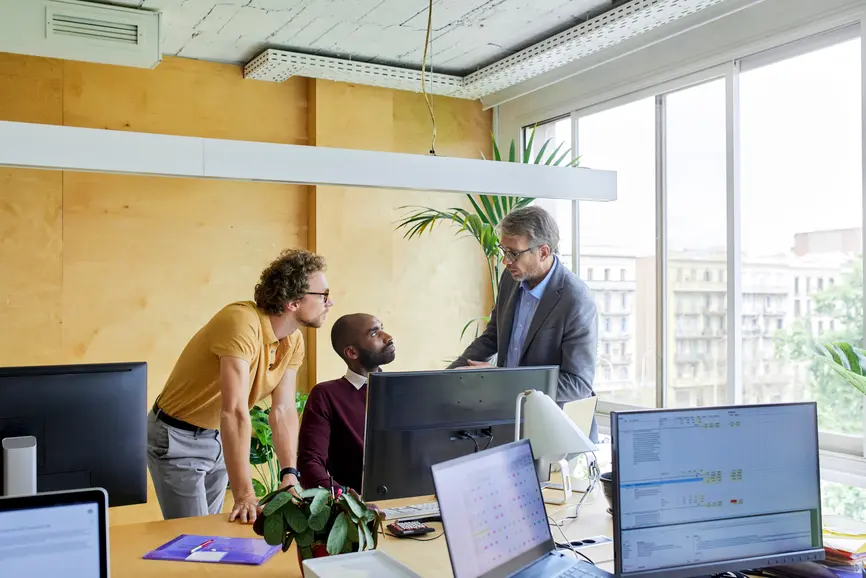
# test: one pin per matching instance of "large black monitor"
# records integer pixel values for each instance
(715, 489)
(417, 419)
(90, 425)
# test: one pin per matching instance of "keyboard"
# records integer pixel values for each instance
(412, 512)
(583, 570)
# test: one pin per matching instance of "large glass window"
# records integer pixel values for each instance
(801, 190)
(696, 246)
(617, 250)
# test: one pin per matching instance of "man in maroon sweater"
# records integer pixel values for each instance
(331, 438)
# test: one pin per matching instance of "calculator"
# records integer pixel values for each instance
(408, 528)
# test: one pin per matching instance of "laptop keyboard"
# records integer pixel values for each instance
(582, 570)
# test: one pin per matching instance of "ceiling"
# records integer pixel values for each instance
(467, 34)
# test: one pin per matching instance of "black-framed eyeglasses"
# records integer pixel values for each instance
(513, 255)
(325, 295)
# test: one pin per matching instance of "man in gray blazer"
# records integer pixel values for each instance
(544, 314)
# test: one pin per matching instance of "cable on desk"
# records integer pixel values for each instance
(594, 479)
(570, 546)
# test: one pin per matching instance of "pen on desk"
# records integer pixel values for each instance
(200, 546)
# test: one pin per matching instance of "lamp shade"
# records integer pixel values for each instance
(550, 431)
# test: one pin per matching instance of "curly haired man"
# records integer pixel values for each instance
(198, 434)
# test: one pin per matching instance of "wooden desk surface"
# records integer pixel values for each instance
(130, 542)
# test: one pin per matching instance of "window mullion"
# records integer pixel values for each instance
(735, 261)
(661, 252)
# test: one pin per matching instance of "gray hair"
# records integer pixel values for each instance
(537, 225)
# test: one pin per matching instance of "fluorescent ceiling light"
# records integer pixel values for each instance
(45, 146)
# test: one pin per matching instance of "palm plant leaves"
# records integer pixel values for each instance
(487, 210)
(847, 360)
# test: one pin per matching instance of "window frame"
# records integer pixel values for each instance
(843, 456)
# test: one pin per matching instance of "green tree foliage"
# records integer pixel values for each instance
(840, 405)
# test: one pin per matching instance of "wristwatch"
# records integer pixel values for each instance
(286, 471)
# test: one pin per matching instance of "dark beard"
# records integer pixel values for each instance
(372, 360)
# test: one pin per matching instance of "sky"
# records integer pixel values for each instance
(800, 159)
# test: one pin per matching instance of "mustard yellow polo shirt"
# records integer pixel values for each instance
(192, 392)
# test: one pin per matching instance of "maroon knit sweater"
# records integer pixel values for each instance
(331, 439)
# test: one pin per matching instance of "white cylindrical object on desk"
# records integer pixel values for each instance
(19, 466)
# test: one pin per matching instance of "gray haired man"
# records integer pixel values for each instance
(544, 314)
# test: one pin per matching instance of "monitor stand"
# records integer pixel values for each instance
(19, 466)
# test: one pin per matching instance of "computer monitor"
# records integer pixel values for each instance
(90, 425)
(715, 489)
(55, 534)
(417, 419)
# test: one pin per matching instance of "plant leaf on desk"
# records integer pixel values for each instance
(287, 541)
(314, 492)
(354, 534)
(317, 522)
(338, 535)
(277, 502)
(319, 503)
(274, 530)
(304, 539)
(306, 553)
(361, 537)
(354, 505)
(295, 518)
(368, 536)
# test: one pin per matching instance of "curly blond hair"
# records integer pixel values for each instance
(286, 279)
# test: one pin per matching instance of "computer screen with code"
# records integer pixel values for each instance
(711, 485)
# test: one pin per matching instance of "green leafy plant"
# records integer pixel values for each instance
(481, 222)
(318, 520)
(263, 456)
(847, 360)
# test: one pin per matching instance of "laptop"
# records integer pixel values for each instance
(494, 518)
(55, 534)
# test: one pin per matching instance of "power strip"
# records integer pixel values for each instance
(591, 542)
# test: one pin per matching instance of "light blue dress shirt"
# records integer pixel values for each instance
(527, 303)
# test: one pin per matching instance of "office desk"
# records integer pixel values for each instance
(130, 542)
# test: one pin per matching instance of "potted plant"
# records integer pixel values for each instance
(321, 522)
(263, 456)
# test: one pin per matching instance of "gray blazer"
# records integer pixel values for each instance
(563, 332)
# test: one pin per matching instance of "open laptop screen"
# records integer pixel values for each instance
(55, 534)
(493, 512)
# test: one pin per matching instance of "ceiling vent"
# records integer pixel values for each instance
(75, 30)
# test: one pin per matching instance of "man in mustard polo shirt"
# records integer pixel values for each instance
(199, 430)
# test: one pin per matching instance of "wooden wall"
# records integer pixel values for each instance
(423, 290)
(97, 267)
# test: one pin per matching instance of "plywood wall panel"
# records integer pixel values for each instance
(148, 260)
(185, 97)
(426, 289)
(31, 89)
(31, 272)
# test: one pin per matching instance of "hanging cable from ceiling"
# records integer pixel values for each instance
(428, 97)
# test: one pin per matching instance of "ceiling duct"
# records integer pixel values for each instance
(608, 29)
(85, 31)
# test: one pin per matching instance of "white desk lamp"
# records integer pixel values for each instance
(552, 434)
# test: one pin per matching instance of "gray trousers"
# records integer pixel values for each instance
(188, 469)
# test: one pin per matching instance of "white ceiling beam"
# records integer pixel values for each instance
(40, 146)
(609, 29)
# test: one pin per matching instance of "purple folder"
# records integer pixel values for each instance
(221, 551)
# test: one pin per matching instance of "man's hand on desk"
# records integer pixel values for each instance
(246, 509)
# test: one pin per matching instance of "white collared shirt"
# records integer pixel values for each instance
(357, 380)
